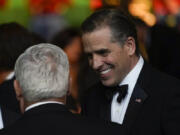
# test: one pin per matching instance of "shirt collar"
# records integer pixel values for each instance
(10, 76)
(1, 120)
(41, 103)
(132, 76)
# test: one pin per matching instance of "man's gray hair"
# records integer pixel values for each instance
(42, 72)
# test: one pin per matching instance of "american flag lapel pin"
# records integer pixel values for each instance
(138, 100)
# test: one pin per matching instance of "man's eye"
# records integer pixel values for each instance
(104, 54)
(89, 56)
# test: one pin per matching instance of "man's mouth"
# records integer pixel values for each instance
(105, 71)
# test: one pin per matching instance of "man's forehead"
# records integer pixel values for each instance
(101, 35)
(95, 50)
(99, 30)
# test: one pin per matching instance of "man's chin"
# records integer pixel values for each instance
(108, 83)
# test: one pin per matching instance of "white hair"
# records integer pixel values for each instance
(42, 72)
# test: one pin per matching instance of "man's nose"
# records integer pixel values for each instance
(96, 62)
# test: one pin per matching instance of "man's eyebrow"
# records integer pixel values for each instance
(101, 51)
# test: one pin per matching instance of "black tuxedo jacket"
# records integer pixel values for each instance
(154, 107)
(55, 119)
(8, 96)
(8, 116)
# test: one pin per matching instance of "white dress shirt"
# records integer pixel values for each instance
(118, 110)
(1, 120)
(10, 76)
(41, 103)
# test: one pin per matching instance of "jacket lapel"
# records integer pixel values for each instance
(105, 105)
(138, 97)
(136, 102)
(105, 111)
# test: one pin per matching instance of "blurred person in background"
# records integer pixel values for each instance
(164, 50)
(143, 37)
(47, 18)
(69, 40)
(14, 39)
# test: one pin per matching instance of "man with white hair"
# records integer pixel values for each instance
(41, 85)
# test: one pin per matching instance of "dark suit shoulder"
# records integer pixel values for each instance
(8, 96)
(96, 88)
(96, 91)
(93, 101)
(9, 117)
(152, 78)
(56, 119)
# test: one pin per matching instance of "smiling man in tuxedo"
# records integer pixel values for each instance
(130, 92)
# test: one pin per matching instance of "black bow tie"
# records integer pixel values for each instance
(122, 90)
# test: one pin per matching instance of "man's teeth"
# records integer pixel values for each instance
(105, 71)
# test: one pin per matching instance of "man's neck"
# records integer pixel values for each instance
(134, 61)
(51, 100)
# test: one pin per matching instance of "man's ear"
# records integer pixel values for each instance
(131, 46)
(18, 90)
(19, 95)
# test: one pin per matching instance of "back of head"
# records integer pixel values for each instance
(65, 37)
(69, 40)
(42, 72)
(120, 24)
(14, 39)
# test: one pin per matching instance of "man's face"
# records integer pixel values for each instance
(110, 60)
